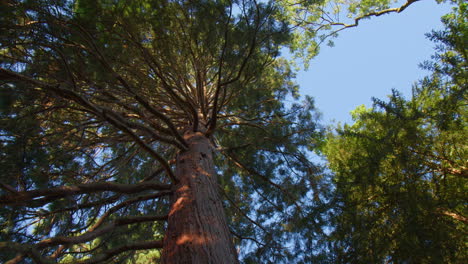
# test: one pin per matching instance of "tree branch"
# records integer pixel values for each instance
(254, 172)
(62, 191)
(126, 203)
(115, 251)
(29, 250)
(62, 240)
(453, 215)
(106, 114)
(377, 13)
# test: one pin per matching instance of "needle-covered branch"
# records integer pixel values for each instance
(33, 252)
(125, 203)
(141, 245)
(253, 172)
(19, 198)
(101, 112)
(87, 236)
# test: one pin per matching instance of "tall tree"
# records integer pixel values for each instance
(123, 115)
(401, 168)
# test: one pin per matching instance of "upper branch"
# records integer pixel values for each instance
(376, 13)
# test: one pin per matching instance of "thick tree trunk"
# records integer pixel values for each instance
(197, 232)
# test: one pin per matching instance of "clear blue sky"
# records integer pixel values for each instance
(368, 61)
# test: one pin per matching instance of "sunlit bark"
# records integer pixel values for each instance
(197, 230)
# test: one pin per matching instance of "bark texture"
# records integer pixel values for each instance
(197, 228)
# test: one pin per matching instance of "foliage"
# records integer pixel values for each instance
(400, 169)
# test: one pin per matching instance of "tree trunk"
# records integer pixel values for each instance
(197, 230)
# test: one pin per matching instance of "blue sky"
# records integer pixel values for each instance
(368, 61)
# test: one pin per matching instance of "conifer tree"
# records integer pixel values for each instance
(401, 168)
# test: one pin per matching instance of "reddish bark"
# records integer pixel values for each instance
(197, 228)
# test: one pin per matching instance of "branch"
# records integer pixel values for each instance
(65, 93)
(111, 119)
(7, 187)
(107, 115)
(253, 45)
(24, 250)
(453, 215)
(249, 238)
(29, 250)
(264, 178)
(377, 13)
(241, 211)
(115, 251)
(63, 240)
(357, 19)
(126, 203)
(212, 123)
(62, 191)
(156, 68)
(255, 240)
(19, 257)
(149, 131)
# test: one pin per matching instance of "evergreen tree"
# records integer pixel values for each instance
(401, 168)
(122, 116)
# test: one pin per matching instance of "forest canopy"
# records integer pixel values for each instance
(159, 131)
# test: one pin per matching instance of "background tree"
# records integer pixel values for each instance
(401, 168)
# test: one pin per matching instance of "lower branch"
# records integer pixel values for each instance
(62, 240)
(453, 215)
(115, 251)
(126, 203)
(24, 250)
(28, 250)
(62, 191)
(19, 257)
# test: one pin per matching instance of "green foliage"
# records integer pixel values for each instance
(400, 169)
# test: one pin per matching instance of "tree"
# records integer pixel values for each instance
(113, 116)
(400, 169)
(131, 126)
